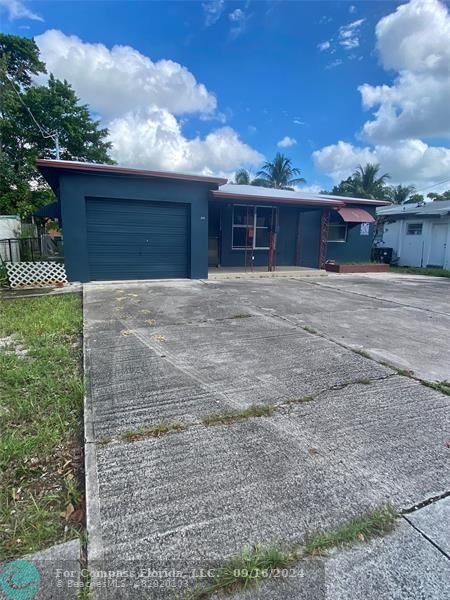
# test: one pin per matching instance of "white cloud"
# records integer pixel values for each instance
(407, 161)
(156, 141)
(414, 41)
(286, 142)
(335, 63)
(238, 19)
(349, 34)
(314, 188)
(297, 121)
(121, 78)
(17, 10)
(139, 101)
(213, 11)
(352, 9)
(324, 46)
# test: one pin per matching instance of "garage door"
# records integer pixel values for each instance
(131, 239)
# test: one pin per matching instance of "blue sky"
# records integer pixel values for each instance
(274, 71)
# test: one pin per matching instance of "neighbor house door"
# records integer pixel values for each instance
(438, 245)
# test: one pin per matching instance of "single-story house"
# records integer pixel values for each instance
(120, 223)
(419, 234)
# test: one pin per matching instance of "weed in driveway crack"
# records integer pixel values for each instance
(299, 400)
(157, 431)
(440, 386)
(259, 563)
(360, 529)
(245, 569)
(309, 329)
(231, 416)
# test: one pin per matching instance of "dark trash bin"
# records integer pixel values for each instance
(382, 255)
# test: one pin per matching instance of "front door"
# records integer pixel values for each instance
(438, 245)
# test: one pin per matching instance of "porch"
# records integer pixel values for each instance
(262, 272)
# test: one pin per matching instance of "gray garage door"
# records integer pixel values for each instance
(132, 239)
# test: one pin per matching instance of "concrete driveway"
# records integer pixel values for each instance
(164, 351)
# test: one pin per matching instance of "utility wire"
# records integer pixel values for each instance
(434, 185)
(42, 130)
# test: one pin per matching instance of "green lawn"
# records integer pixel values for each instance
(41, 403)
(421, 271)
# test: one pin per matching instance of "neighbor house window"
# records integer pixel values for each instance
(414, 229)
(251, 227)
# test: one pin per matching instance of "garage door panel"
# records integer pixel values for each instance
(130, 239)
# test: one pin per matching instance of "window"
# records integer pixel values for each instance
(414, 229)
(337, 233)
(251, 227)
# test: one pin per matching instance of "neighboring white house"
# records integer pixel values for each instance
(10, 228)
(418, 234)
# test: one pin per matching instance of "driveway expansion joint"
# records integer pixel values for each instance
(402, 304)
(426, 537)
(426, 502)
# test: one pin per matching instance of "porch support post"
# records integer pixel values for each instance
(324, 225)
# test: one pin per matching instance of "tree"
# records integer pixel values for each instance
(369, 183)
(279, 174)
(398, 194)
(363, 183)
(30, 117)
(415, 199)
(435, 197)
(242, 177)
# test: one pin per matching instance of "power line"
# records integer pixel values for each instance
(434, 185)
(42, 130)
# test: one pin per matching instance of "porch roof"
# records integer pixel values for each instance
(254, 193)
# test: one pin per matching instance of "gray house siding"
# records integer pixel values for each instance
(357, 247)
(297, 243)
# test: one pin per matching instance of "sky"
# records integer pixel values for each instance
(211, 86)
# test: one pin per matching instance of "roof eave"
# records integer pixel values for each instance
(274, 199)
(60, 166)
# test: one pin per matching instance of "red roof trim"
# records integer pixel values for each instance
(89, 167)
(275, 199)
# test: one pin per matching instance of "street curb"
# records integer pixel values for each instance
(93, 517)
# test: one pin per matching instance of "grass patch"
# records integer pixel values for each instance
(246, 570)
(361, 352)
(440, 386)
(360, 529)
(231, 416)
(41, 404)
(300, 400)
(240, 316)
(256, 564)
(309, 329)
(157, 431)
(421, 271)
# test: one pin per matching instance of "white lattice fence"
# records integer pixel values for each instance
(36, 274)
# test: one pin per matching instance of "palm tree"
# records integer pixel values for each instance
(399, 194)
(279, 174)
(366, 182)
(242, 177)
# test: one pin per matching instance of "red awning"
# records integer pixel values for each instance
(355, 215)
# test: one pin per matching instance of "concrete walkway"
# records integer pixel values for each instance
(156, 352)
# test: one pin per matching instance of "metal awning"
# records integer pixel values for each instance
(355, 215)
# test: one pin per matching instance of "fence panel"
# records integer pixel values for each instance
(36, 274)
